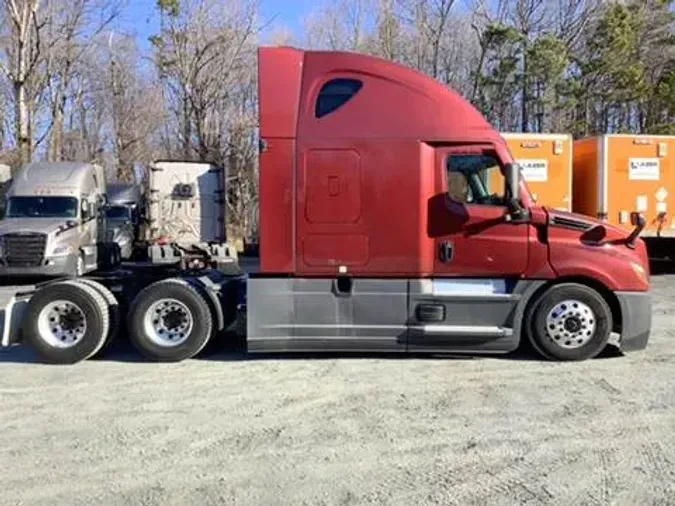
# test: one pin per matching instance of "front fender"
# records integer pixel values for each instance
(604, 264)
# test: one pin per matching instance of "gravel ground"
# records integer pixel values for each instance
(343, 431)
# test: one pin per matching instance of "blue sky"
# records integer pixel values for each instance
(140, 16)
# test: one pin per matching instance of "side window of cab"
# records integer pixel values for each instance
(475, 179)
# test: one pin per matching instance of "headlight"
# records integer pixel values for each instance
(62, 250)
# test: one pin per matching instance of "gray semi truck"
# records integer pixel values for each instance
(125, 214)
(54, 223)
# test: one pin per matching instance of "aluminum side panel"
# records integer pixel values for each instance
(321, 315)
(480, 315)
(384, 315)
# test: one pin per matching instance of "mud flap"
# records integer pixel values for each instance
(11, 316)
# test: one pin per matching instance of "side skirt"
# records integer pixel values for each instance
(388, 315)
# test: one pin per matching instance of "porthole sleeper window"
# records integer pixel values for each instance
(334, 94)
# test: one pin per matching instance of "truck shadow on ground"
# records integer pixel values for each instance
(124, 352)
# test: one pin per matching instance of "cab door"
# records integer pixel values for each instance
(469, 302)
(472, 236)
(89, 219)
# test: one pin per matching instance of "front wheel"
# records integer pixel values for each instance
(570, 322)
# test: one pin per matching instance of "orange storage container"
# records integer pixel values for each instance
(615, 175)
(546, 162)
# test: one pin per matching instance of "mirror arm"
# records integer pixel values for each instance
(516, 213)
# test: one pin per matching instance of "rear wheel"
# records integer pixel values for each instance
(113, 309)
(66, 322)
(170, 321)
(570, 322)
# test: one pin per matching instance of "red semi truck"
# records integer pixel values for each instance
(377, 233)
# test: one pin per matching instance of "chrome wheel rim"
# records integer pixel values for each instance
(168, 322)
(62, 324)
(571, 324)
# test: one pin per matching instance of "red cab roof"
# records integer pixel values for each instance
(395, 101)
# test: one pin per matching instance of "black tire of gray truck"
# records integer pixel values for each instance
(91, 303)
(549, 336)
(113, 310)
(200, 316)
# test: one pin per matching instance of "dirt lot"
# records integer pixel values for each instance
(344, 431)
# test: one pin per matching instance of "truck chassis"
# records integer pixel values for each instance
(171, 314)
(67, 320)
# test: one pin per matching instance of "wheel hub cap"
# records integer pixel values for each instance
(62, 324)
(571, 324)
(168, 322)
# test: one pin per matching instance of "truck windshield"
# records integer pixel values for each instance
(118, 213)
(42, 207)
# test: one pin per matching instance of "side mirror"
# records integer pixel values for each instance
(515, 213)
(84, 209)
(512, 181)
(636, 219)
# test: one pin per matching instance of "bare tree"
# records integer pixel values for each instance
(74, 25)
(205, 56)
(23, 54)
(388, 31)
(205, 45)
(339, 25)
(134, 100)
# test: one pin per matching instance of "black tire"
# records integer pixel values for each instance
(96, 312)
(113, 311)
(554, 342)
(201, 317)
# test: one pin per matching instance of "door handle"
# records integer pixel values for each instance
(445, 251)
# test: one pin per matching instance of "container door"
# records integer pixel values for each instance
(638, 175)
(546, 162)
